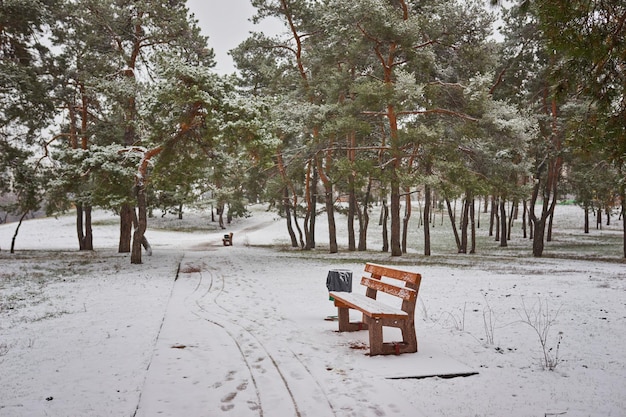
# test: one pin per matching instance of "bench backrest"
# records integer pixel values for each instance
(406, 289)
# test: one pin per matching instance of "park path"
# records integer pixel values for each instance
(212, 358)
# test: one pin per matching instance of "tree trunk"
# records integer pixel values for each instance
(385, 216)
(88, 238)
(539, 229)
(126, 228)
(538, 223)
(623, 195)
(220, 218)
(330, 205)
(503, 228)
(330, 212)
(496, 214)
(465, 223)
(311, 242)
(310, 207)
(17, 229)
(512, 216)
(524, 217)
(453, 224)
(142, 223)
(407, 217)
(351, 215)
(586, 229)
(287, 207)
(79, 226)
(295, 221)
(492, 217)
(83, 227)
(427, 203)
(473, 226)
(352, 203)
(550, 222)
(396, 249)
(364, 217)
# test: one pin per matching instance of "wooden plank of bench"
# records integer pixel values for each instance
(379, 270)
(367, 306)
(405, 293)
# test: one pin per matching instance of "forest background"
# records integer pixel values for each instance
(114, 104)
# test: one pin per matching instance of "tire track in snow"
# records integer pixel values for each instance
(306, 394)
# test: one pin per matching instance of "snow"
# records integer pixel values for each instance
(241, 331)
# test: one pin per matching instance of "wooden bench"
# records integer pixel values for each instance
(376, 314)
(228, 239)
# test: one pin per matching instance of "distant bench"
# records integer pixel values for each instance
(227, 240)
(376, 314)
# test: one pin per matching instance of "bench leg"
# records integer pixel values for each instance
(408, 337)
(379, 347)
(343, 315)
(376, 337)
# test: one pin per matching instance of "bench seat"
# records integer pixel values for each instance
(368, 306)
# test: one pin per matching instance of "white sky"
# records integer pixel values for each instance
(227, 24)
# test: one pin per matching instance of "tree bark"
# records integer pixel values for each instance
(364, 217)
(126, 228)
(551, 218)
(503, 228)
(295, 221)
(287, 207)
(310, 208)
(538, 223)
(453, 224)
(407, 217)
(351, 215)
(311, 242)
(623, 195)
(142, 223)
(473, 226)
(492, 216)
(512, 217)
(385, 216)
(88, 239)
(524, 217)
(330, 212)
(79, 226)
(352, 203)
(220, 214)
(396, 249)
(427, 203)
(330, 208)
(465, 223)
(83, 227)
(17, 229)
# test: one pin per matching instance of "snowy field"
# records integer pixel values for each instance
(241, 331)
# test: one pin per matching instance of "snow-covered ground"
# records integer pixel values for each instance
(241, 332)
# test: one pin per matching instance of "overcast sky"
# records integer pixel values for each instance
(227, 24)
